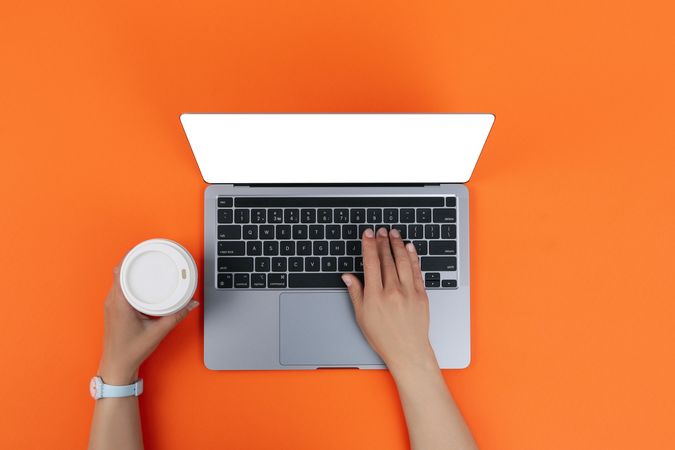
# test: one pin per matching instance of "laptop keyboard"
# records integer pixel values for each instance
(308, 242)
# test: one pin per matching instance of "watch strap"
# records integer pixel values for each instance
(131, 390)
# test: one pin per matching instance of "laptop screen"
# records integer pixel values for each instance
(336, 148)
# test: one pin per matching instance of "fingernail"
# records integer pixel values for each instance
(369, 232)
(410, 247)
(347, 280)
(192, 305)
(394, 232)
(382, 231)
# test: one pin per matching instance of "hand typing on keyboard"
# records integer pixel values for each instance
(392, 309)
(391, 306)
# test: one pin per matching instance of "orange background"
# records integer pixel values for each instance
(573, 290)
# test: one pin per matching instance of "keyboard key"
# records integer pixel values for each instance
(231, 248)
(312, 264)
(341, 215)
(345, 264)
(276, 280)
(358, 215)
(241, 215)
(225, 280)
(432, 283)
(320, 248)
(258, 216)
(415, 231)
(349, 232)
(421, 247)
(407, 215)
(316, 231)
(353, 247)
(292, 215)
(448, 231)
(432, 276)
(339, 202)
(328, 264)
(229, 232)
(337, 247)
(432, 231)
(444, 215)
(235, 264)
(358, 264)
(225, 216)
(401, 229)
(450, 201)
(241, 280)
(295, 264)
(224, 202)
(374, 215)
(439, 263)
(363, 228)
(254, 248)
(382, 225)
(332, 231)
(258, 280)
(424, 215)
(315, 280)
(308, 215)
(250, 231)
(262, 264)
(325, 215)
(390, 215)
(275, 215)
(283, 232)
(266, 231)
(304, 248)
(271, 248)
(443, 247)
(299, 231)
(287, 248)
(279, 264)
(449, 283)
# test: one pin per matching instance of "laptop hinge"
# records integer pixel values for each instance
(334, 184)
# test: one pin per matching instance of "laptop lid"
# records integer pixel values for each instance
(336, 148)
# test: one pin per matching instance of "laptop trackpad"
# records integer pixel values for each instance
(318, 329)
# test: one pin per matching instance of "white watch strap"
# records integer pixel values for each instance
(131, 390)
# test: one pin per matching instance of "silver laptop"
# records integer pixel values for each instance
(289, 198)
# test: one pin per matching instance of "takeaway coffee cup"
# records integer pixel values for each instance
(158, 277)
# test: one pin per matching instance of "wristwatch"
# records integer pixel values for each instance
(98, 389)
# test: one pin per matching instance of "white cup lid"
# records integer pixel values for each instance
(158, 277)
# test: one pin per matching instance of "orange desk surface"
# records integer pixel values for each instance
(572, 208)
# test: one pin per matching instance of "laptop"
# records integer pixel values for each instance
(289, 197)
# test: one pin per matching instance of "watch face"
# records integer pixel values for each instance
(94, 386)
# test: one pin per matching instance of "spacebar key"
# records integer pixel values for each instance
(315, 280)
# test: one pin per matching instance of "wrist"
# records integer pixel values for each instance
(418, 363)
(413, 375)
(117, 375)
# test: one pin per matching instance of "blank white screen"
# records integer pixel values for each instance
(336, 148)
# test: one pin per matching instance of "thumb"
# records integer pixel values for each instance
(355, 289)
(165, 324)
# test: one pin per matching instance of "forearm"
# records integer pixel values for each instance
(116, 425)
(117, 422)
(434, 421)
(129, 339)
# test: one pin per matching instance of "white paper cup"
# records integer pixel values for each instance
(158, 277)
